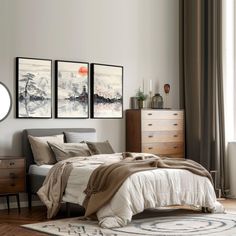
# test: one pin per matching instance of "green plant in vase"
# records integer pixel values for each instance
(141, 97)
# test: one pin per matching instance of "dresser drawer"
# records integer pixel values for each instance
(162, 136)
(164, 148)
(161, 114)
(12, 173)
(161, 125)
(12, 185)
(12, 163)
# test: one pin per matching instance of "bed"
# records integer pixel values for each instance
(132, 197)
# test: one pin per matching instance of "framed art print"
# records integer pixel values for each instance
(33, 88)
(106, 91)
(72, 86)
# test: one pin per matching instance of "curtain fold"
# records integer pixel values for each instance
(201, 83)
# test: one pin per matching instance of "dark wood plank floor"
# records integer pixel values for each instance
(10, 222)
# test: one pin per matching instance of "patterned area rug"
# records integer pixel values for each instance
(176, 225)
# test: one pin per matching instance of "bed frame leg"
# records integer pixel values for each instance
(205, 210)
(68, 209)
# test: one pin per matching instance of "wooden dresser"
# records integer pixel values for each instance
(12, 177)
(160, 132)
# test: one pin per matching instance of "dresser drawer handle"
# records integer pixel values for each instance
(175, 124)
(175, 135)
(150, 148)
(13, 184)
(12, 163)
(149, 114)
(150, 136)
(175, 114)
(175, 147)
(149, 124)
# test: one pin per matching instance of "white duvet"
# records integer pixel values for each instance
(142, 190)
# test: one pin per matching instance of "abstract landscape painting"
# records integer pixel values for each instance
(34, 78)
(72, 89)
(106, 91)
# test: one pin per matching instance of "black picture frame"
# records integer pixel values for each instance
(71, 89)
(106, 91)
(33, 88)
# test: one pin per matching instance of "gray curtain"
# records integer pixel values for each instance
(201, 83)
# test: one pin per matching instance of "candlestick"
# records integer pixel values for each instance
(150, 85)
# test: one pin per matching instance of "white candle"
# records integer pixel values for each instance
(150, 85)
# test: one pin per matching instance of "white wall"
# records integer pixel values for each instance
(141, 35)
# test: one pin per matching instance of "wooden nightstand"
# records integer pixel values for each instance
(12, 178)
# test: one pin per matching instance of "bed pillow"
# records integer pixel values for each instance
(77, 137)
(100, 147)
(41, 151)
(67, 150)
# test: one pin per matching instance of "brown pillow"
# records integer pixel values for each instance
(100, 147)
(67, 150)
(41, 151)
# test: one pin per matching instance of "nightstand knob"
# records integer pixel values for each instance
(175, 147)
(149, 124)
(150, 136)
(13, 184)
(175, 114)
(12, 175)
(12, 163)
(175, 124)
(150, 148)
(150, 114)
(175, 135)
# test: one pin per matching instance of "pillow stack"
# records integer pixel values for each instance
(51, 149)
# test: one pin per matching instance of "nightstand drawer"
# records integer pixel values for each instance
(12, 163)
(12, 185)
(12, 173)
(161, 114)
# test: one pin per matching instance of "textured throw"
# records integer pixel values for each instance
(54, 185)
(107, 179)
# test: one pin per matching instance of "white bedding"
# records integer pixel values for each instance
(39, 170)
(142, 190)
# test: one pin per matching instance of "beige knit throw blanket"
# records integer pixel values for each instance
(107, 179)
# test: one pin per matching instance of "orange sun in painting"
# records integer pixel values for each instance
(83, 71)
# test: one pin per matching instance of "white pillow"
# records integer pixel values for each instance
(77, 137)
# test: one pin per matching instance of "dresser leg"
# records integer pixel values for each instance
(8, 204)
(18, 202)
(29, 200)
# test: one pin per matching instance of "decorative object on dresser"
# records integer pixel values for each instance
(141, 96)
(157, 101)
(33, 88)
(160, 132)
(12, 178)
(6, 101)
(134, 103)
(72, 84)
(106, 91)
(167, 91)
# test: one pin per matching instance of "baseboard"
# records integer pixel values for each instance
(3, 206)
